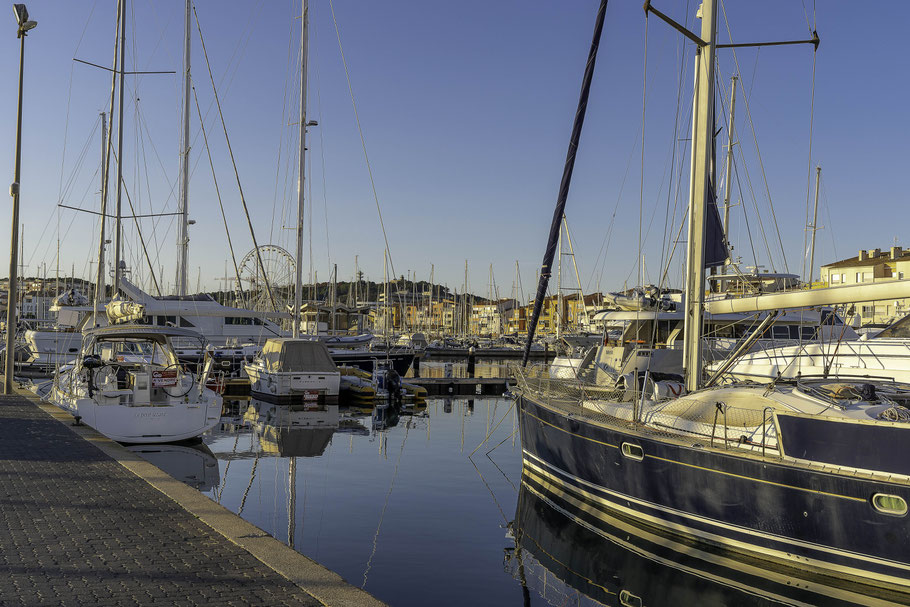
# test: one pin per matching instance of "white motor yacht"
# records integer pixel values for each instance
(127, 383)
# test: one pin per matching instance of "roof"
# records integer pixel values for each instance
(856, 262)
(153, 333)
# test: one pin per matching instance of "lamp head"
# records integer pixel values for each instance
(22, 19)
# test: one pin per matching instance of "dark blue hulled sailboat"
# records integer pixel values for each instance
(810, 475)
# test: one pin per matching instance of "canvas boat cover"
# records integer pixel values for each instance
(296, 356)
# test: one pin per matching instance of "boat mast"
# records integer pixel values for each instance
(304, 16)
(728, 185)
(106, 132)
(814, 226)
(99, 276)
(183, 239)
(702, 151)
(562, 226)
(118, 231)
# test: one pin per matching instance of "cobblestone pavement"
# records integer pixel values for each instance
(76, 528)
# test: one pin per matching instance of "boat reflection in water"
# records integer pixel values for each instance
(190, 463)
(573, 554)
(298, 430)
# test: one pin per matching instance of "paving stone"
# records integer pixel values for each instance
(76, 527)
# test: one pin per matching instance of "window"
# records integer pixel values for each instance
(780, 332)
(864, 277)
(868, 311)
(837, 278)
(889, 504)
(185, 323)
(807, 332)
(633, 451)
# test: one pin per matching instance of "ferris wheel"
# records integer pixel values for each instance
(279, 273)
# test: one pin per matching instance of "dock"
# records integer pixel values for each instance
(463, 386)
(85, 521)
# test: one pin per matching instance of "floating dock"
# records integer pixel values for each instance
(463, 386)
(85, 521)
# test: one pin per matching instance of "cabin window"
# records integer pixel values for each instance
(780, 332)
(185, 323)
(889, 504)
(807, 332)
(633, 451)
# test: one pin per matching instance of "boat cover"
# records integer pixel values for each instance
(296, 355)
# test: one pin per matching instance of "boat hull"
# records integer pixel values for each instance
(145, 424)
(321, 387)
(764, 508)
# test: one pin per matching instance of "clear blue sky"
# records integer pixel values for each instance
(466, 109)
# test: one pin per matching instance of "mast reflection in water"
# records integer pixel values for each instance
(583, 557)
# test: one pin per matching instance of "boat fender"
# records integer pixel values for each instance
(668, 389)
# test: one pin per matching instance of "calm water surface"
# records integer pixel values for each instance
(400, 509)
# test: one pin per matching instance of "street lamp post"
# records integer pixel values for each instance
(24, 25)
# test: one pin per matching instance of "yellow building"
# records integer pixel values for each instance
(870, 266)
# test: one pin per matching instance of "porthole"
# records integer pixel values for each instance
(889, 504)
(627, 599)
(633, 451)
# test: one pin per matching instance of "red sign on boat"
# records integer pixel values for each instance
(161, 379)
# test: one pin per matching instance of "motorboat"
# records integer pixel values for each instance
(127, 383)
(294, 369)
(884, 356)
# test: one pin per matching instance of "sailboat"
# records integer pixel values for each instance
(809, 475)
(126, 380)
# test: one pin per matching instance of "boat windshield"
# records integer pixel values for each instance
(900, 328)
(134, 350)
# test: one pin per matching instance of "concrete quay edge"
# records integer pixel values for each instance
(324, 585)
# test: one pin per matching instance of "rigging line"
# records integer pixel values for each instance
(664, 248)
(69, 96)
(70, 183)
(809, 170)
(490, 433)
(240, 47)
(742, 198)
(227, 230)
(141, 151)
(407, 429)
(73, 218)
(284, 121)
(246, 210)
(363, 143)
(605, 243)
(828, 214)
(493, 495)
(138, 229)
(679, 180)
(325, 200)
(761, 164)
(665, 245)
